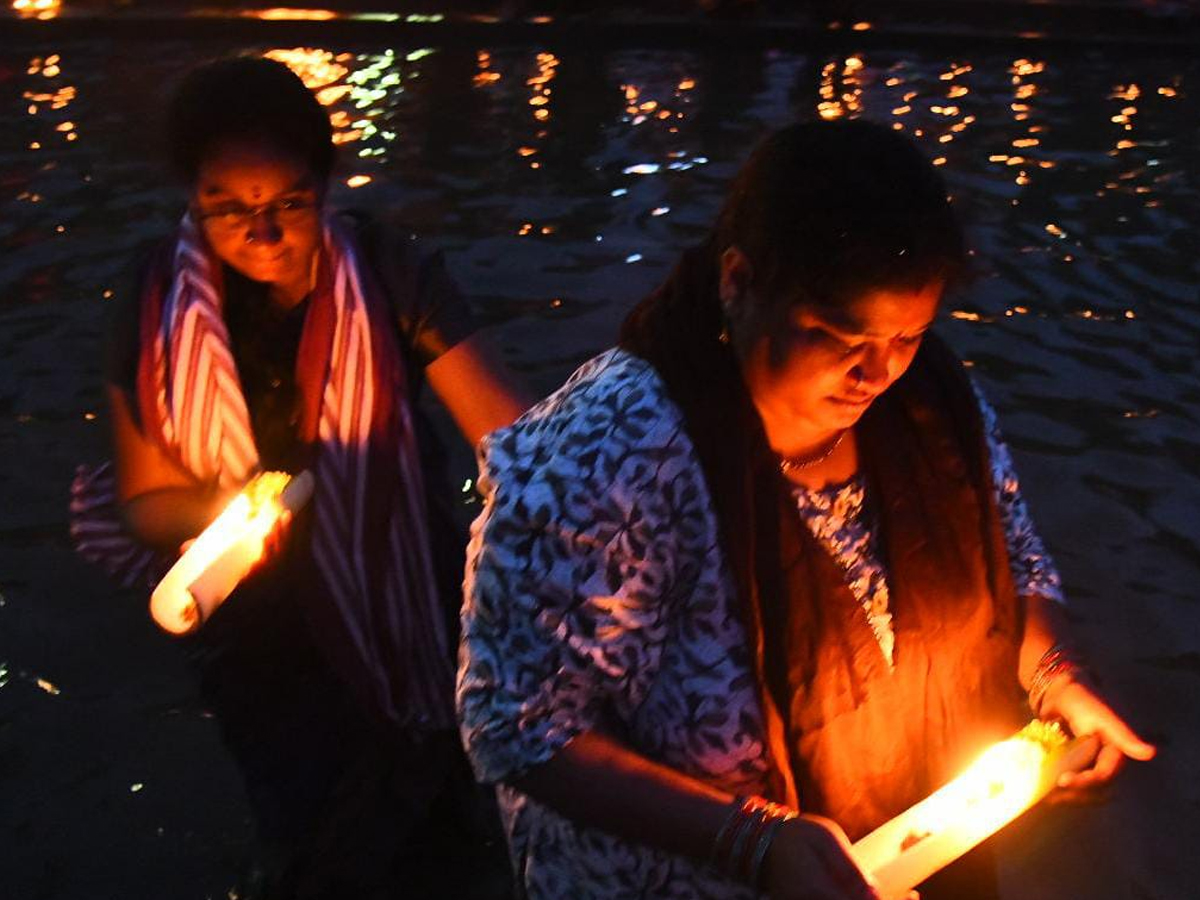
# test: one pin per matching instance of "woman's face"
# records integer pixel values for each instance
(260, 211)
(817, 374)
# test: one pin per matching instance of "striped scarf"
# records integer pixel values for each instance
(377, 614)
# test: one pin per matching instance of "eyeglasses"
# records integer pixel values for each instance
(236, 216)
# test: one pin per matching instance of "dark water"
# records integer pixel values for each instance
(562, 187)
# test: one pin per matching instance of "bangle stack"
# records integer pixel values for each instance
(745, 837)
(1055, 662)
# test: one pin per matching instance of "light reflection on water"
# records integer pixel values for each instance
(1075, 182)
(565, 183)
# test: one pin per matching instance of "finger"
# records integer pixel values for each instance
(832, 856)
(1108, 762)
(1117, 733)
(844, 871)
(1093, 796)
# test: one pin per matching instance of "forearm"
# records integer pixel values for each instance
(1045, 626)
(599, 783)
(166, 517)
(476, 388)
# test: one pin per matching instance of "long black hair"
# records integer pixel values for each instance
(826, 211)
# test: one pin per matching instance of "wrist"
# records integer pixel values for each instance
(741, 846)
(1058, 668)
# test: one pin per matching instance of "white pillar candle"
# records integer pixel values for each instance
(225, 552)
(1006, 780)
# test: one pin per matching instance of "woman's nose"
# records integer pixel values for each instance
(263, 228)
(876, 367)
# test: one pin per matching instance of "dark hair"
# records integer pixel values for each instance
(827, 210)
(246, 98)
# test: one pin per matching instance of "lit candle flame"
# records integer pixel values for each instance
(225, 552)
(1006, 780)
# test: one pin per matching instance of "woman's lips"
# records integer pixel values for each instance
(854, 401)
(269, 260)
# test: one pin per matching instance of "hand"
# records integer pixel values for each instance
(273, 542)
(809, 859)
(1086, 714)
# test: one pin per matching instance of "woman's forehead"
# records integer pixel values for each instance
(251, 169)
(880, 313)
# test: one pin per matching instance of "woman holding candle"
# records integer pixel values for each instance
(269, 332)
(767, 557)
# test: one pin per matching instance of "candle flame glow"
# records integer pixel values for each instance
(1008, 778)
(224, 552)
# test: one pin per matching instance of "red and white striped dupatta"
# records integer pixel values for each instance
(377, 613)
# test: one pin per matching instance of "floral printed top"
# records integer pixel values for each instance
(597, 597)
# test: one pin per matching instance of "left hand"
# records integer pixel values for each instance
(274, 541)
(1086, 714)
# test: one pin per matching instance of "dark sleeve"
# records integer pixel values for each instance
(431, 312)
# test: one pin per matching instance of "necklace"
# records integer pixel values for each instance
(796, 463)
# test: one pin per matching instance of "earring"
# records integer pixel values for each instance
(726, 308)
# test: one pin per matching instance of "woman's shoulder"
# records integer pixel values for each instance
(615, 398)
(610, 419)
(430, 310)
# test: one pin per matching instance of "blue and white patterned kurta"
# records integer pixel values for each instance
(597, 597)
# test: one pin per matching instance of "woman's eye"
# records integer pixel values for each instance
(846, 348)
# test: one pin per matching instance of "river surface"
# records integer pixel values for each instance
(562, 185)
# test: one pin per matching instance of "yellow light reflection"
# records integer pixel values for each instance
(359, 85)
(284, 13)
(841, 92)
(485, 75)
(41, 9)
(540, 85)
(318, 69)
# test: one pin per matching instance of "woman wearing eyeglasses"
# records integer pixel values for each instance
(268, 332)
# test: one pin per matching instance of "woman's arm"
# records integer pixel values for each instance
(1070, 697)
(476, 387)
(1067, 697)
(597, 782)
(162, 504)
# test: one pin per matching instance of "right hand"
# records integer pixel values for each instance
(809, 859)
